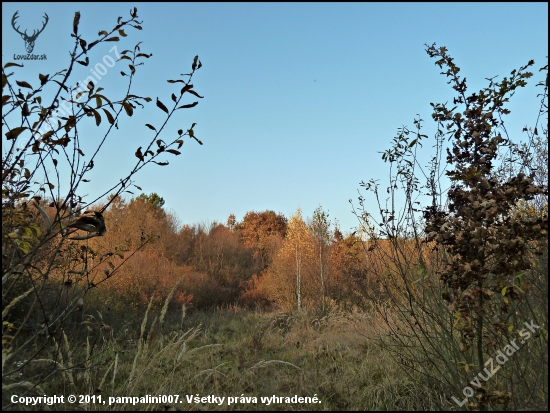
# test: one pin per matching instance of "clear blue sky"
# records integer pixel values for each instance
(299, 98)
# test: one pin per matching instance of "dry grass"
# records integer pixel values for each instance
(234, 352)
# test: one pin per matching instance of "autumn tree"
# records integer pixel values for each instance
(320, 227)
(292, 279)
(262, 231)
(231, 221)
(220, 253)
(130, 224)
(353, 280)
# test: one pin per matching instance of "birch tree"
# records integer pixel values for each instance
(320, 227)
(288, 279)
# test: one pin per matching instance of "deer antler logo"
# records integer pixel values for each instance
(29, 40)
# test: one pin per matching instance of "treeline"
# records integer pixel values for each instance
(265, 260)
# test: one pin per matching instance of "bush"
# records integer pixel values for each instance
(50, 262)
(463, 281)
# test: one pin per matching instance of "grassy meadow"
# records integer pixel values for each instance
(238, 353)
(439, 305)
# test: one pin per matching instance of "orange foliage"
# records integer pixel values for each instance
(262, 260)
(263, 232)
(292, 280)
(214, 263)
